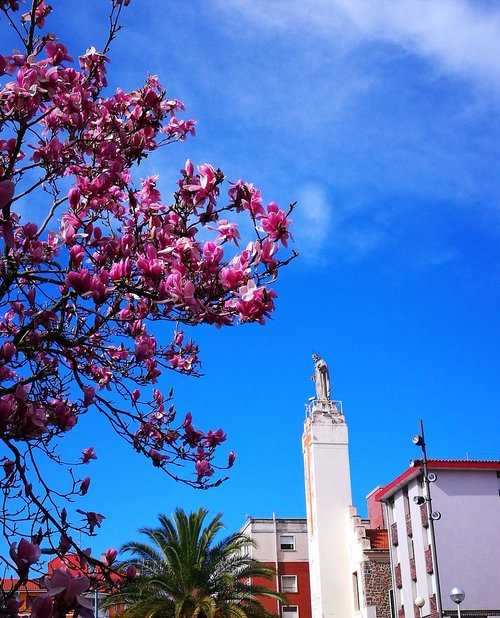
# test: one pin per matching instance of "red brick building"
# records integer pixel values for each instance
(282, 544)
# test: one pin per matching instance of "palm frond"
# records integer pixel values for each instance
(185, 572)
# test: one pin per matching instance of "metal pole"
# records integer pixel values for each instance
(431, 525)
(458, 608)
(96, 602)
(275, 525)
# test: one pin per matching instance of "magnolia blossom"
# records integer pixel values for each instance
(24, 555)
(67, 589)
(98, 295)
(88, 454)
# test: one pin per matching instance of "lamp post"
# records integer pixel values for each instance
(457, 595)
(419, 440)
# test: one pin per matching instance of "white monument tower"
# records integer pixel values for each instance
(328, 498)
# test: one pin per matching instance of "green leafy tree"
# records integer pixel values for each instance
(184, 572)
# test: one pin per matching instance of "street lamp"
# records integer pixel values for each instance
(429, 477)
(457, 595)
(419, 602)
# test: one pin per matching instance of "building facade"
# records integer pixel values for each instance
(377, 567)
(283, 544)
(466, 522)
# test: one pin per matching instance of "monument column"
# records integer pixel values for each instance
(328, 497)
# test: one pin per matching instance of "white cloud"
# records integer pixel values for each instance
(321, 224)
(312, 221)
(460, 36)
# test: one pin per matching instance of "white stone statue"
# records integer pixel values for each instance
(321, 378)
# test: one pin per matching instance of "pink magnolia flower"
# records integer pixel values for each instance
(88, 454)
(64, 417)
(24, 555)
(68, 590)
(94, 520)
(266, 252)
(145, 347)
(231, 459)
(180, 291)
(246, 197)
(233, 277)
(74, 198)
(228, 231)
(57, 53)
(121, 270)
(203, 468)
(64, 544)
(6, 192)
(109, 556)
(11, 607)
(79, 280)
(84, 486)
(180, 128)
(88, 396)
(214, 438)
(42, 607)
(7, 351)
(207, 176)
(255, 303)
(276, 224)
(9, 466)
(158, 459)
(69, 226)
(188, 168)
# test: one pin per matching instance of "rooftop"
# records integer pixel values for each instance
(436, 464)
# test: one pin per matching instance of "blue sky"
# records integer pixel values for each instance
(381, 119)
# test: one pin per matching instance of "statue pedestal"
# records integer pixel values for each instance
(327, 407)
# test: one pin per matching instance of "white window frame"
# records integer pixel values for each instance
(288, 614)
(294, 584)
(290, 536)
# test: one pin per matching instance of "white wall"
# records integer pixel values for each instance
(328, 498)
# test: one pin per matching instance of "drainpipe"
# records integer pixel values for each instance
(276, 561)
(392, 605)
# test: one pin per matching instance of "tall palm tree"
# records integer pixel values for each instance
(185, 573)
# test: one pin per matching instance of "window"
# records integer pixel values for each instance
(355, 589)
(392, 604)
(289, 583)
(290, 611)
(287, 541)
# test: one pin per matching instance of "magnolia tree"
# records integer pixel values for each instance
(84, 283)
